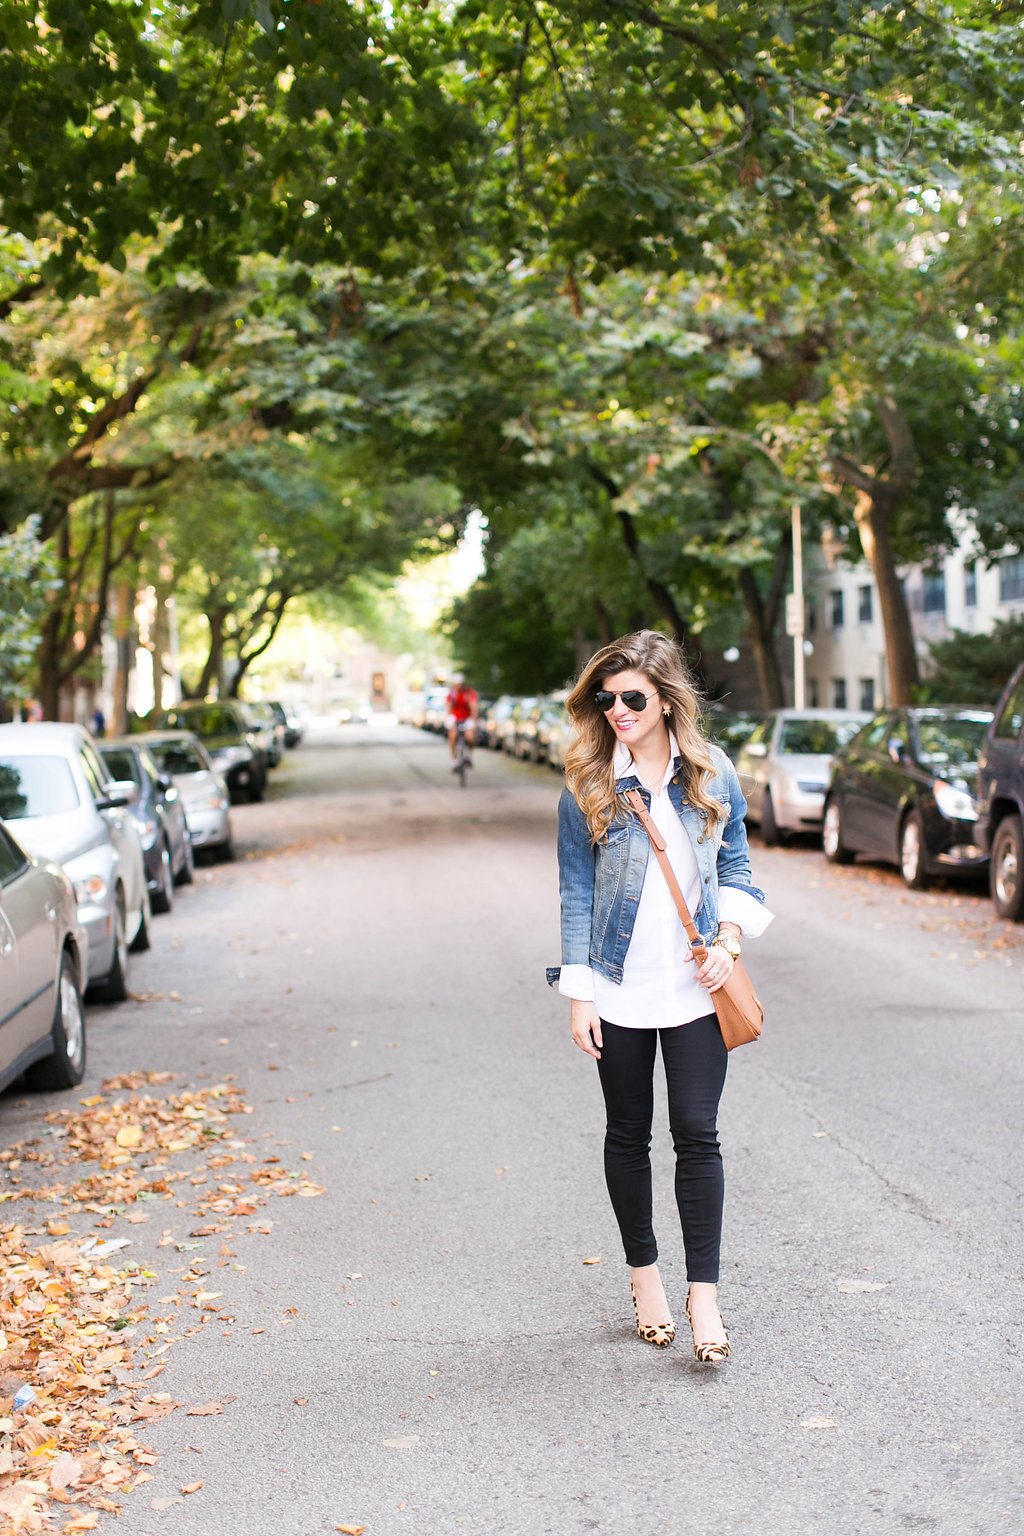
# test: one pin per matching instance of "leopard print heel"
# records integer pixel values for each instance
(713, 1352)
(659, 1334)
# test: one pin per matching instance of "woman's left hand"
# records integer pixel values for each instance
(717, 968)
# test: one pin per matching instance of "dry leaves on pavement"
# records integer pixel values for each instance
(73, 1311)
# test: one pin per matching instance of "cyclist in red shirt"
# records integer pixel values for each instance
(461, 705)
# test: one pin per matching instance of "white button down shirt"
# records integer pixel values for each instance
(659, 987)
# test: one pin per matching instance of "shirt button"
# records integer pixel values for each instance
(700, 839)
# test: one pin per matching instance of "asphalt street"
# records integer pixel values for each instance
(425, 1348)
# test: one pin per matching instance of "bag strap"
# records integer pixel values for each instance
(635, 801)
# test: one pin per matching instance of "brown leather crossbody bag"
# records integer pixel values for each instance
(737, 1005)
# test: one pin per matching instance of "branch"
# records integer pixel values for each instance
(73, 463)
(20, 296)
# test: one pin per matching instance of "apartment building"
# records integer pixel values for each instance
(845, 645)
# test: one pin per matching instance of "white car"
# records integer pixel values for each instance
(204, 792)
(63, 805)
(784, 767)
(42, 972)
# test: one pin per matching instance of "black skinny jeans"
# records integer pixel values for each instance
(695, 1061)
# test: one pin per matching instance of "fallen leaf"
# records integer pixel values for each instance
(300, 1402)
(167, 1502)
(129, 1136)
(64, 1471)
(817, 1423)
(192, 1487)
(87, 1522)
(402, 1442)
(204, 1408)
(351, 1530)
(595, 1260)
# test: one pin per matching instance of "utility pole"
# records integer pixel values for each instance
(795, 612)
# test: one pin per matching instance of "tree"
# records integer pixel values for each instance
(28, 577)
(973, 669)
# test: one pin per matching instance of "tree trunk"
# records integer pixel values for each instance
(49, 665)
(878, 497)
(605, 627)
(161, 645)
(763, 617)
(211, 672)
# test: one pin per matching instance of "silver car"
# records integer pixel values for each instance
(204, 792)
(42, 972)
(63, 805)
(784, 767)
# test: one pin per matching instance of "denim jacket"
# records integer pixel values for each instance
(600, 885)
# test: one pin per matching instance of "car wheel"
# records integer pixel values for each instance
(912, 853)
(187, 873)
(832, 836)
(771, 833)
(1006, 873)
(115, 988)
(142, 940)
(162, 899)
(66, 1067)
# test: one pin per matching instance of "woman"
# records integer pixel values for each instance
(626, 962)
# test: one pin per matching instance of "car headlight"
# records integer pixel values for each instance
(91, 892)
(955, 803)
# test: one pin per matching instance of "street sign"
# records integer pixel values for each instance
(794, 614)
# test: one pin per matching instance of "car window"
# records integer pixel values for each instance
(900, 731)
(1011, 720)
(36, 786)
(945, 743)
(177, 757)
(97, 775)
(122, 764)
(12, 860)
(759, 733)
(876, 734)
(815, 737)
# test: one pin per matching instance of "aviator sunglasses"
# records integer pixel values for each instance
(633, 699)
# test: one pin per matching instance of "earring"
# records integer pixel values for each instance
(666, 709)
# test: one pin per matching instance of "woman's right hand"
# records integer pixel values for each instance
(586, 1028)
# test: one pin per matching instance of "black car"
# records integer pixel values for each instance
(288, 721)
(234, 742)
(904, 790)
(159, 815)
(1001, 795)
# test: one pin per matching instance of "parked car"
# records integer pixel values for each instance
(64, 805)
(204, 791)
(159, 816)
(288, 720)
(233, 741)
(43, 958)
(548, 718)
(561, 735)
(905, 790)
(1001, 800)
(730, 728)
(784, 767)
(268, 728)
(483, 722)
(498, 716)
(435, 709)
(519, 728)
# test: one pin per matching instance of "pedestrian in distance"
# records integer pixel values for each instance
(627, 965)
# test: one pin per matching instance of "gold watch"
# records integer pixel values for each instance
(730, 943)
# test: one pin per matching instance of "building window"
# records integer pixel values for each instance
(971, 585)
(1011, 578)
(812, 693)
(865, 604)
(837, 608)
(933, 593)
(867, 693)
(812, 618)
(839, 693)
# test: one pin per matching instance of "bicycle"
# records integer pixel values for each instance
(463, 757)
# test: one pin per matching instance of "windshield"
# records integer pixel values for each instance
(214, 720)
(177, 757)
(817, 738)
(36, 786)
(122, 764)
(951, 745)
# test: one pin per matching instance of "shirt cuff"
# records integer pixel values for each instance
(736, 906)
(577, 981)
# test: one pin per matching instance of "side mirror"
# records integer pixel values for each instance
(756, 749)
(120, 793)
(163, 783)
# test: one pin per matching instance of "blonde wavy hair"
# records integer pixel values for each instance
(589, 775)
